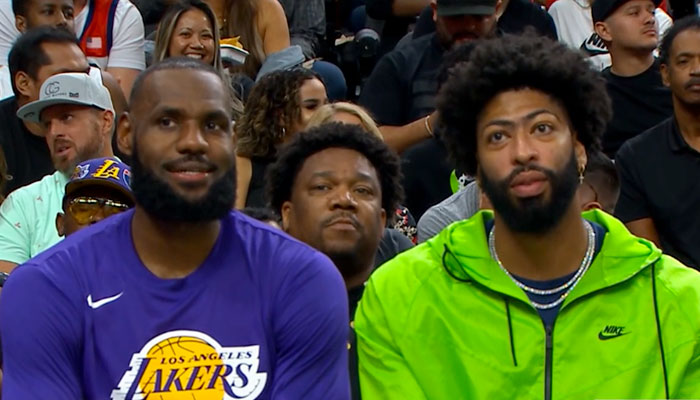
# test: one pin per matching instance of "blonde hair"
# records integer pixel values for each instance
(242, 21)
(326, 112)
(164, 35)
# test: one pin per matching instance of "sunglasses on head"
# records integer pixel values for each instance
(85, 209)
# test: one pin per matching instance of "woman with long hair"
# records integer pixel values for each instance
(260, 25)
(189, 29)
(279, 106)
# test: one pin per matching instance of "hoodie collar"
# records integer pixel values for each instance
(464, 250)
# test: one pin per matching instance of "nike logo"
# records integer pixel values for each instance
(611, 332)
(99, 303)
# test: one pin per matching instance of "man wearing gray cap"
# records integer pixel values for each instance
(77, 115)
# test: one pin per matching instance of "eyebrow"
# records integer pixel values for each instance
(328, 174)
(528, 117)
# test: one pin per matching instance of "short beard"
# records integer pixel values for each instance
(533, 215)
(163, 203)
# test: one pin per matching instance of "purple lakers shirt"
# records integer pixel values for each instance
(264, 317)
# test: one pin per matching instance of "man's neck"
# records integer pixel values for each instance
(172, 250)
(688, 119)
(630, 63)
(546, 256)
(359, 277)
(78, 6)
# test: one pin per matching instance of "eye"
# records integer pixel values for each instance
(213, 126)
(207, 35)
(682, 61)
(67, 117)
(496, 137)
(543, 128)
(185, 34)
(166, 122)
(320, 187)
(363, 190)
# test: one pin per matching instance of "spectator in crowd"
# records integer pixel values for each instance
(279, 107)
(263, 214)
(659, 169)
(348, 113)
(307, 24)
(78, 117)
(575, 28)
(260, 24)
(639, 99)
(119, 52)
(514, 16)
(471, 313)
(392, 19)
(400, 94)
(401, 219)
(600, 189)
(98, 189)
(36, 56)
(4, 177)
(188, 29)
(333, 185)
(161, 276)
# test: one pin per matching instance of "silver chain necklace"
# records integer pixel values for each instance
(567, 287)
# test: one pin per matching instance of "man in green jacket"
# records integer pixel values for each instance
(533, 301)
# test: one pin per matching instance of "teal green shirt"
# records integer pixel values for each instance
(28, 218)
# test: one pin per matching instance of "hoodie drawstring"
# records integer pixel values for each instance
(510, 331)
(658, 328)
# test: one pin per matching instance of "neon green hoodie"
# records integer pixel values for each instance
(629, 330)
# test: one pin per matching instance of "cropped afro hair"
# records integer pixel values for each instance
(691, 22)
(518, 62)
(281, 175)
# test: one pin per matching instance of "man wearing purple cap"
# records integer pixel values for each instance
(77, 115)
(639, 99)
(97, 189)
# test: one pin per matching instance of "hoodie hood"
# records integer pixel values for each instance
(463, 249)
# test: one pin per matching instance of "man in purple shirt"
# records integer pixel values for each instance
(179, 298)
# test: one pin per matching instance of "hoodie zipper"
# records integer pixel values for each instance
(548, 362)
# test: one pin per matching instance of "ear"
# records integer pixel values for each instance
(591, 205)
(60, 224)
(499, 10)
(664, 75)
(286, 215)
(581, 157)
(382, 216)
(601, 28)
(107, 123)
(125, 134)
(24, 84)
(433, 5)
(20, 23)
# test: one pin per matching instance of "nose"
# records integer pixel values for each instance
(191, 140)
(61, 20)
(98, 216)
(342, 198)
(695, 66)
(523, 148)
(196, 42)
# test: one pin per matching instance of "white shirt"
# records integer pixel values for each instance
(128, 32)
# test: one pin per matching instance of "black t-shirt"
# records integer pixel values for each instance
(638, 102)
(256, 188)
(28, 156)
(518, 15)
(659, 177)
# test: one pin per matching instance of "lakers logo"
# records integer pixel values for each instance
(191, 365)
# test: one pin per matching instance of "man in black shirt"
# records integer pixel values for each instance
(401, 91)
(639, 99)
(660, 169)
(37, 55)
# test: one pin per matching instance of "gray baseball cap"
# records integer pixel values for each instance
(68, 88)
(449, 8)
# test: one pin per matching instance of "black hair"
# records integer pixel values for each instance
(683, 24)
(282, 174)
(602, 175)
(517, 62)
(19, 7)
(263, 214)
(27, 54)
(171, 63)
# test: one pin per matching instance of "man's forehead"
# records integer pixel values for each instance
(163, 88)
(335, 160)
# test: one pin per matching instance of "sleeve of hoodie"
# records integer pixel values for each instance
(384, 374)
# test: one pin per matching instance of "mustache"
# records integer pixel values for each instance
(529, 167)
(341, 215)
(190, 158)
(691, 82)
